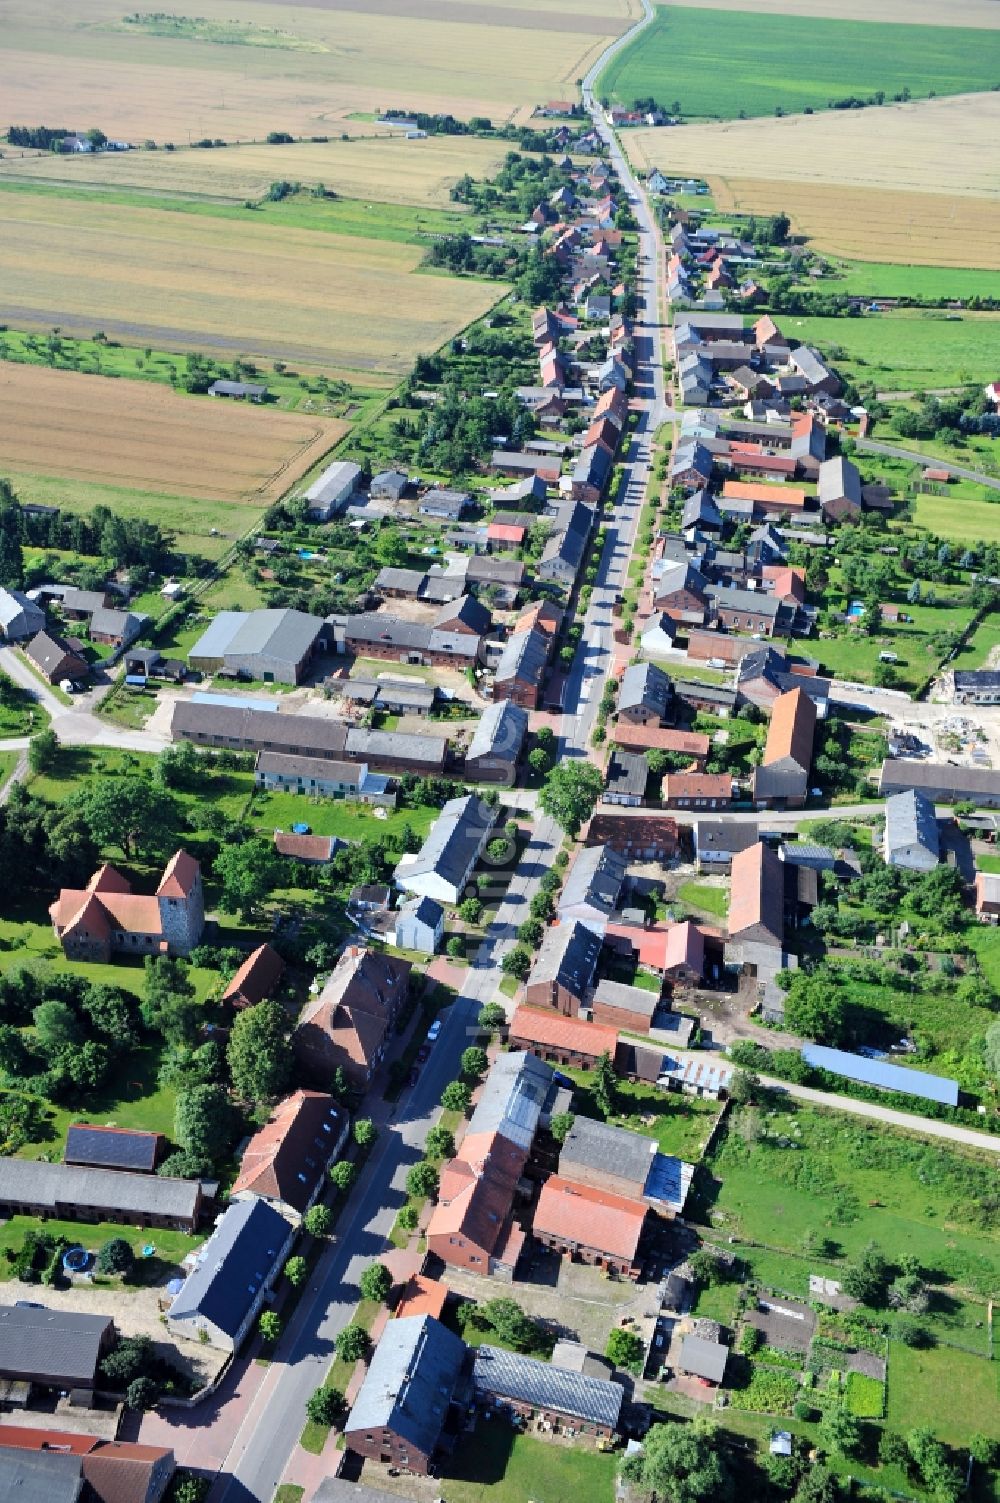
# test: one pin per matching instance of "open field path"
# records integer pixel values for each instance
(926, 1127)
(871, 446)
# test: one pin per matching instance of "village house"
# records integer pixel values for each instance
(286, 1161)
(56, 660)
(716, 842)
(20, 617)
(626, 778)
(647, 837)
(106, 918)
(471, 1225)
(443, 866)
(521, 670)
(911, 839)
(593, 887)
(495, 749)
(51, 1466)
(782, 779)
(644, 695)
(625, 1163)
(232, 1278)
(564, 967)
(409, 1406)
(756, 899)
(697, 790)
(346, 1026)
(419, 926)
(320, 777)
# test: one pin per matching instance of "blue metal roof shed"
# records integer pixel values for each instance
(886, 1076)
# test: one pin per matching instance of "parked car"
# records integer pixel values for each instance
(434, 1031)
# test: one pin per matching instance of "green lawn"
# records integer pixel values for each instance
(909, 349)
(190, 520)
(955, 1393)
(851, 1181)
(19, 714)
(960, 519)
(495, 1464)
(8, 761)
(852, 655)
(988, 863)
(883, 279)
(984, 640)
(325, 816)
(700, 895)
(171, 1247)
(984, 939)
(725, 63)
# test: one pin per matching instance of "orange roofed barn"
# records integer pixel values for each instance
(561, 1040)
(256, 978)
(757, 896)
(107, 918)
(593, 1225)
(286, 1162)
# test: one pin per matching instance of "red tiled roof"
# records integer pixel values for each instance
(303, 847)
(697, 785)
(180, 876)
(648, 945)
(287, 1157)
(422, 1296)
(685, 947)
(503, 532)
(756, 894)
(536, 1025)
(790, 496)
(655, 737)
(793, 725)
(257, 976)
(594, 1218)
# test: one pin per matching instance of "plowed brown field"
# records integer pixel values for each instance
(128, 433)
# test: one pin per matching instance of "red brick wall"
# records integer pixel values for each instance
(617, 1017)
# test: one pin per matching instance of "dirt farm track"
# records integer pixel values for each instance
(145, 437)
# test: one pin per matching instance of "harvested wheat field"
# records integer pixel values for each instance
(911, 229)
(191, 281)
(144, 437)
(437, 55)
(931, 146)
(977, 13)
(386, 169)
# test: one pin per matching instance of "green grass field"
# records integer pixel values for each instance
(497, 1464)
(955, 1393)
(988, 863)
(883, 279)
(984, 640)
(171, 1247)
(908, 350)
(279, 811)
(721, 64)
(680, 1124)
(707, 899)
(191, 521)
(853, 1182)
(960, 519)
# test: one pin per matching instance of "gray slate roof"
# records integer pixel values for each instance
(26, 1182)
(110, 1148)
(636, 999)
(62, 1343)
(40, 1476)
(524, 657)
(396, 744)
(644, 685)
(511, 1376)
(705, 1359)
(233, 1265)
(596, 878)
(282, 634)
(596, 1145)
(628, 773)
(410, 1382)
(568, 955)
(513, 1098)
(298, 734)
(454, 840)
(910, 820)
(500, 732)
